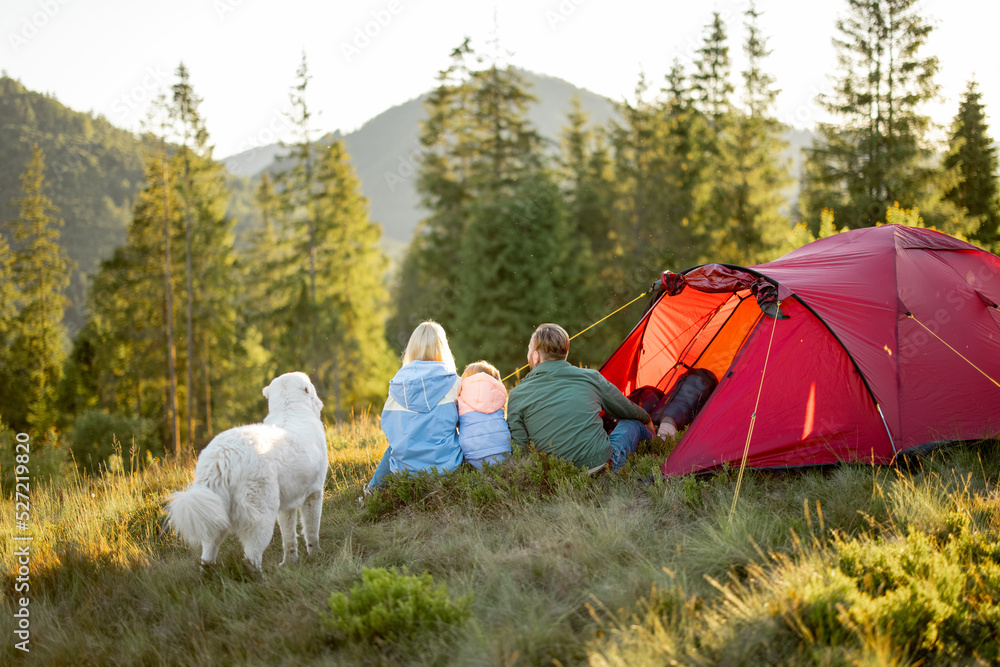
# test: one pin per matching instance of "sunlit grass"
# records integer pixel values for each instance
(851, 565)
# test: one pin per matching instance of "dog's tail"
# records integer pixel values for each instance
(198, 514)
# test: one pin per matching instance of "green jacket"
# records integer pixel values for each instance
(557, 406)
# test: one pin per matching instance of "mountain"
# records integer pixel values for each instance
(93, 171)
(386, 148)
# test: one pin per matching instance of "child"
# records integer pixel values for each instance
(482, 429)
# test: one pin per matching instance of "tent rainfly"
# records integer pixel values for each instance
(853, 348)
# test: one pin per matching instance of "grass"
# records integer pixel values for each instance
(849, 565)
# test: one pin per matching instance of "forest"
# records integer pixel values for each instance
(181, 325)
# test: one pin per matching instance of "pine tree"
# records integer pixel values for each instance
(315, 272)
(9, 298)
(712, 88)
(684, 131)
(297, 209)
(210, 281)
(654, 162)
(973, 157)
(715, 196)
(132, 309)
(265, 270)
(40, 270)
(875, 154)
(428, 284)
(193, 134)
(638, 165)
(588, 191)
(754, 224)
(351, 297)
(485, 181)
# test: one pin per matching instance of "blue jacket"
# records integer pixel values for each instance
(482, 429)
(481, 435)
(420, 416)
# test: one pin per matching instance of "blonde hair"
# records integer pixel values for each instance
(551, 341)
(429, 342)
(481, 367)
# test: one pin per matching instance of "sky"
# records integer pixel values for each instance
(110, 57)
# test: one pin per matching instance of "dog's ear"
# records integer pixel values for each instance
(316, 400)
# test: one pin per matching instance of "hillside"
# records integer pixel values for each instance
(855, 565)
(93, 172)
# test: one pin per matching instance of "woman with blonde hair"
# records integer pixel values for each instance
(420, 415)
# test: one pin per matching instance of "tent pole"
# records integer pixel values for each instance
(887, 431)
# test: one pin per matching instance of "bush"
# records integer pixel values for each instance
(98, 435)
(525, 477)
(393, 606)
(47, 458)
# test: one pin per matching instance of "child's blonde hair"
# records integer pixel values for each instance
(429, 342)
(481, 367)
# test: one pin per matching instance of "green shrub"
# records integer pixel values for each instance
(393, 606)
(525, 477)
(929, 599)
(47, 458)
(98, 435)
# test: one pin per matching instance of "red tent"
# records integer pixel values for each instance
(892, 341)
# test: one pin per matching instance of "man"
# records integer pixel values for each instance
(558, 407)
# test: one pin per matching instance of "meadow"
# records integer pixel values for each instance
(531, 563)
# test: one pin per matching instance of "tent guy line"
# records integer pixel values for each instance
(753, 420)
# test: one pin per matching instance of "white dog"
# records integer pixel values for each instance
(251, 475)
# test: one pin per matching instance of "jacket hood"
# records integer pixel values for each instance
(420, 385)
(481, 393)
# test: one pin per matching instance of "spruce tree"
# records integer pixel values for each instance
(315, 271)
(193, 134)
(638, 164)
(711, 87)
(587, 178)
(588, 192)
(428, 284)
(296, 187)
(715, 193)
(754, 225)
(264, 270)
(972, 157)
(40, 270)
(516, 268)
(653, 168)
(351, 296)
(133, 309)
(876, 151)
(210, 280)
(485, 180)
(8, 314)
(685, 132)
